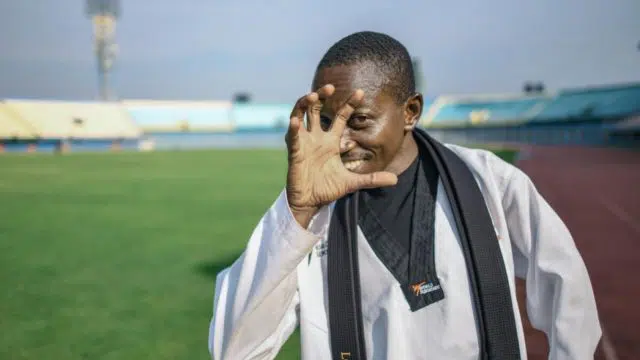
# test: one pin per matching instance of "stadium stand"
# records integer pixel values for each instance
(12, 126)
(611, 101)
(597, 102)
(180, 116)
(64, 126)
(483, 110)
(587, 116)
(590, 116)
(261, 117)
(62, 120)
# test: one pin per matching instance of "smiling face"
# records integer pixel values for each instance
(378, 136)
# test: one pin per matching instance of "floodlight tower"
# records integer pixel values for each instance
(104, 14)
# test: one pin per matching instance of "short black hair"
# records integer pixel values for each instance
(385, 52)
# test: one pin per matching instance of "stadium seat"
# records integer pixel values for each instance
(602, 102)
(493, 111)
(181, 116)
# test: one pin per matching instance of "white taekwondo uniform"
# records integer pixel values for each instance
(280, 281)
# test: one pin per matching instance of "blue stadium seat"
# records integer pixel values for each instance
(172, 117)
(254, 117)
(496, 111)
(627, 102)
(597, 103)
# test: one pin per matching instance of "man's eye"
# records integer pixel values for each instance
(358, 120)
(325, 123)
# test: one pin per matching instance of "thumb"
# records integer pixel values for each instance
(375, 180)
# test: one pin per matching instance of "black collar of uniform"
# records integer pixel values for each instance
(415, 269)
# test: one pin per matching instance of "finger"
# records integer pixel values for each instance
(346, 110)
(300, 108)
(313, 114)
(373, 180)
(292, 132)
(314, 109)
(326, 91)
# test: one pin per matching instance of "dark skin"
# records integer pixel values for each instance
(350, 117)
(379, 130)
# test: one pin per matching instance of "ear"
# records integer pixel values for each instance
(412, 111)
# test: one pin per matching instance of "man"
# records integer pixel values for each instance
(360, 137)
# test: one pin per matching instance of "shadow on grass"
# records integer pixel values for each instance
(211, 268)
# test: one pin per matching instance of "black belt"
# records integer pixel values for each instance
(492, 301)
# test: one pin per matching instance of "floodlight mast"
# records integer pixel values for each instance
(104, 15)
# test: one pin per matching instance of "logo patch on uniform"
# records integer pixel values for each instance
(422, 293)
(321, 248)
(424, 288)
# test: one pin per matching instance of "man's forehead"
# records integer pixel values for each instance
(348, 78)
(371, 100)
(360, 75)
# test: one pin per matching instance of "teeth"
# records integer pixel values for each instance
(351, 165)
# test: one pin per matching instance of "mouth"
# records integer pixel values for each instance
(353, 165)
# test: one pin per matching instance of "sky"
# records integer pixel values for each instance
(209, 50)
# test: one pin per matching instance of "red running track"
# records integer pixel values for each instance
(597, 194)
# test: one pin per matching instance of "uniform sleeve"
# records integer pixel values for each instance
(256, 298)
(560, 299)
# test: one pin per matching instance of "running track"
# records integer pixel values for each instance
(597, 194)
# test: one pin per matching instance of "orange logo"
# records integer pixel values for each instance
(417, 287)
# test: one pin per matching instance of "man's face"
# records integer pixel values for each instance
(374, 138)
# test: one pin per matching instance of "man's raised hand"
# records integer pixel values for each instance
(316, 175)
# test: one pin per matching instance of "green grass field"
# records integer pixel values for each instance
(114, 256)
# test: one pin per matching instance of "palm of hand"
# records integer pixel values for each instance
(316, 174)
